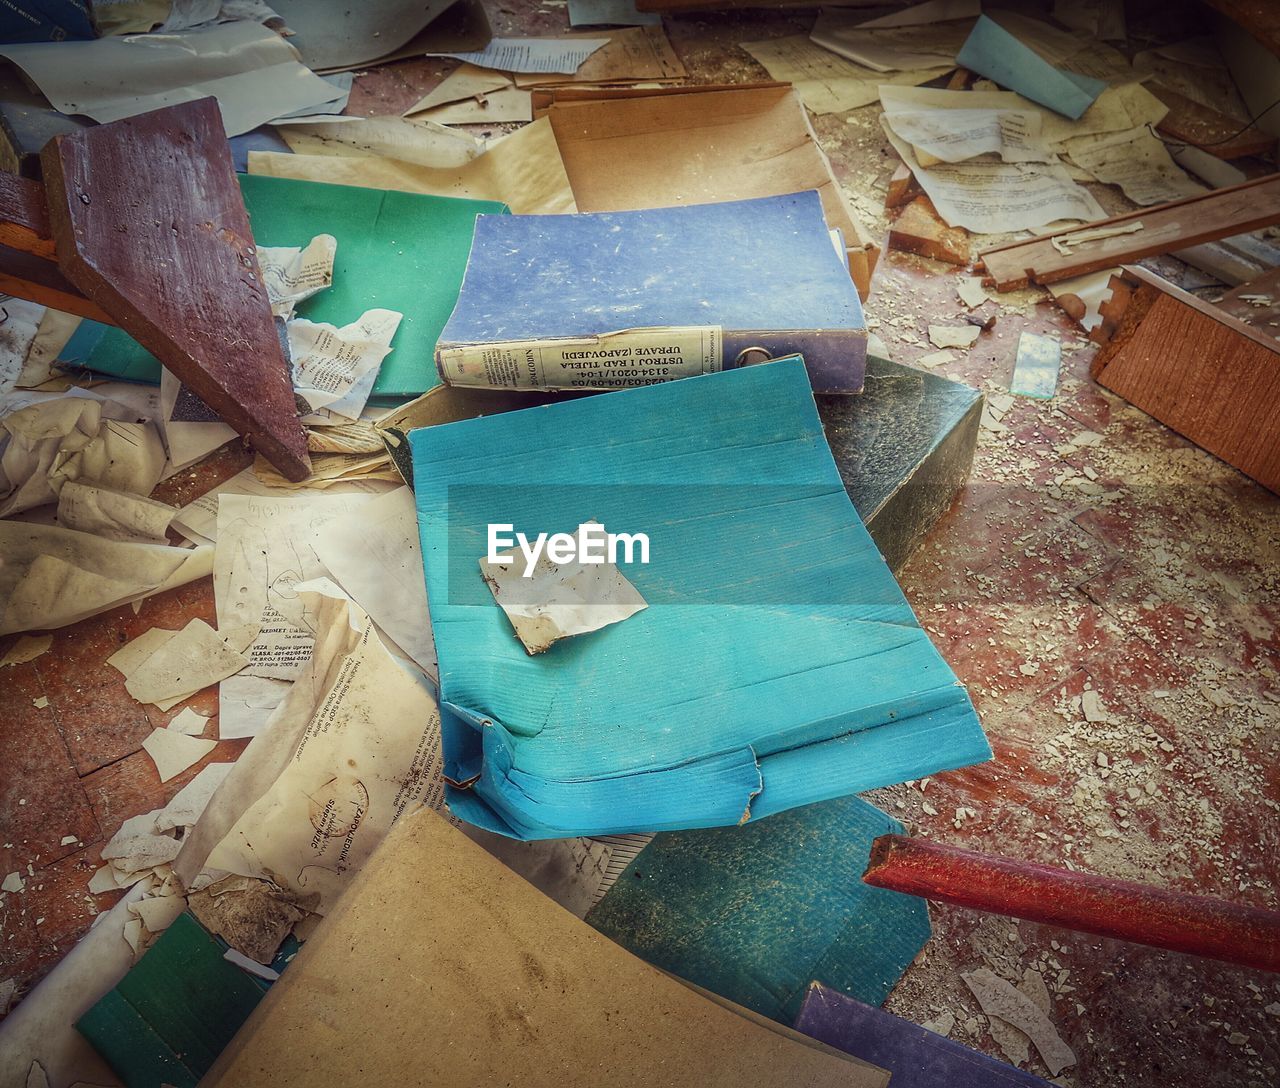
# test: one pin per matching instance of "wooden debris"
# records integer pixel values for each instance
(1208, 129)
(919, 229)
(1165, 227)
(1196, 368)
(1122, 909)
(145, 219)
(903, 187)
(1256, 303)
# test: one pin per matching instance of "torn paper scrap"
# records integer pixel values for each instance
(292, 274)
(137, 845)
(190, 661)
(999, 998)
(29, 647)
(264, 550)
(72, 437)
(334, 369)
(542, 55)
(173, 752)
(51, 337)
(953, 336)
(375, 555)
(113, 515)
(829, 83)
(366, 746)
(971, 291)
(188, 722)
(134, 652)
(557, 600)
(253, 916)
(1066, 243)
(52, 576)
(359, 436)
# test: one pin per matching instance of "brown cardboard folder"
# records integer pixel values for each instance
(440, 966)
(627, 148)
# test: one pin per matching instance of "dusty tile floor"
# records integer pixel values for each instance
(1132, 564)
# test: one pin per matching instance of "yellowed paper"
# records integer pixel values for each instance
(1136, 161)
(17, 335)
(51, 337)
(358, 436)
(631, 55)
(114, 515)
(503, 106)
(28, 648)
(332, 471)
(423, 143)
(925, 36)
(995, 197)
(954, 135)
(51, 576)
(616, 360)
(366, 747)
(465, 81)
(829, 83)
(264, 550)
(293, 273)
(471, 95)
(1066, 243)
(523, 170)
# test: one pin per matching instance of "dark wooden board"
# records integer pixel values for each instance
(148, 222)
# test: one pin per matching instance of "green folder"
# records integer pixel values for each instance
(396, 251)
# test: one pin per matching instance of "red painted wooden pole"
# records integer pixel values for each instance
(1127, 911)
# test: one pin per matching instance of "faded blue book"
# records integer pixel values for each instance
(613, 300)
(777, 663)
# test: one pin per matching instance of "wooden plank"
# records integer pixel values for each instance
(1121, 909)
(24, 217)
(1209, 129)
(1165, 227)
(1260, 18)
(149, 223)
(920, 229)
(25, 275)
(1195, 368)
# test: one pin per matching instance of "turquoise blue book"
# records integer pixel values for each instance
(777, 662)
(396, 251)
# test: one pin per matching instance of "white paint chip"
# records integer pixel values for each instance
(953, 336)
(12, 883)
(189, 723)
(999, 999)
(173, 752)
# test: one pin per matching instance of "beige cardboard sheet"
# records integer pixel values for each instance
(440, 966)
(624, 150)
(522, 170)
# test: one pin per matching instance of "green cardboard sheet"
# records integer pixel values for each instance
(777, 663)
(396, 251)
(756, 913)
